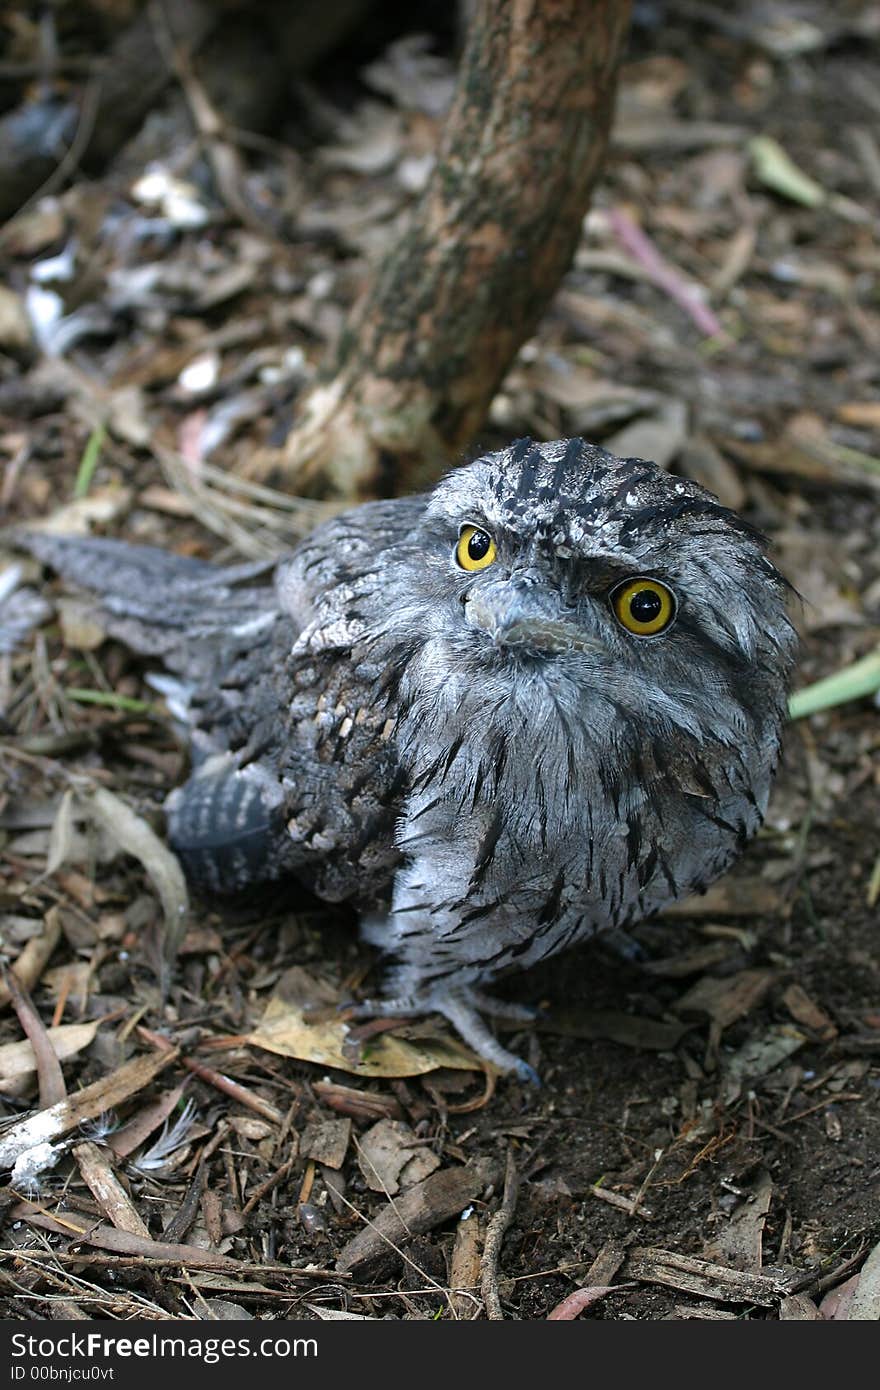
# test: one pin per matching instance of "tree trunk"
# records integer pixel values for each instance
(496, 230)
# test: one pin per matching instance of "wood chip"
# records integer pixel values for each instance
(17, 1060)
(732, 897)
(439, 1197)
(739, 1242)
(107, 1190)
(617, 1199)
(604, 1268)
(44, 1126)
(705, 1279)
(464, 1267)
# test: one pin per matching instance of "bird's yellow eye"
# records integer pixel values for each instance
(643, 606)
(475, 549)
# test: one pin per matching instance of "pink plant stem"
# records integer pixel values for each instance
(643, 250)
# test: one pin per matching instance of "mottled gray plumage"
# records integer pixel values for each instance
(487, 762)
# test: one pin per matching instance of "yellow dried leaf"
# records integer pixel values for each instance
(283, 1029)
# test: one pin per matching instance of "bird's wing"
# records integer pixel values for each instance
(326, 581)
(294, 770)
(161, 604)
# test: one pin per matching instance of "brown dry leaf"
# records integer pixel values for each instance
(808, 1014)
(133, 835)
(17, 1060)
(860, 413)
(412, 76)
(249, 1127)
(836, 1305)
(145, 1122)
(40, 1128)
(759, 1056)
(70, 981)
(62, 836)
(660, 437)
(732, 897)
(865, 1305)
(642, 1033)
(80, 627)
(102, 506)
(326, 1141)
(726, 1000)
(391, 1157)
(589, 400)
(372, 140)
(688, 962)
(15, 326)
(32, 960)
(285, 1030)
(705, 464)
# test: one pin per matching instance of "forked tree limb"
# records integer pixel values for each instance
(426, 349)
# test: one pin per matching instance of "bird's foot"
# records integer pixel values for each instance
(462, 1008)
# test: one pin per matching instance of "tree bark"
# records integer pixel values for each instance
(497, 227)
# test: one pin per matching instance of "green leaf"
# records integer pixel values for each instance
(89, 461)
(778, 171)
(111, 699)
(852, 683)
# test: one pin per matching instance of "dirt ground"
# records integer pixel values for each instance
(707, 1136)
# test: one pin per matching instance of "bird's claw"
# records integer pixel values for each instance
(523, 1072)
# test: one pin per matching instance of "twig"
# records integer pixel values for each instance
(685, 295)
(495, 1232)
(266, 1187)
(51, 1077)
(219, 1081)
(233, 1089)
(186, 1213)
(617, 1199)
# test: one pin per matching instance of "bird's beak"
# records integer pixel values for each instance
(514, 616)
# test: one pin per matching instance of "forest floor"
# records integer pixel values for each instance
(707, 1135)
